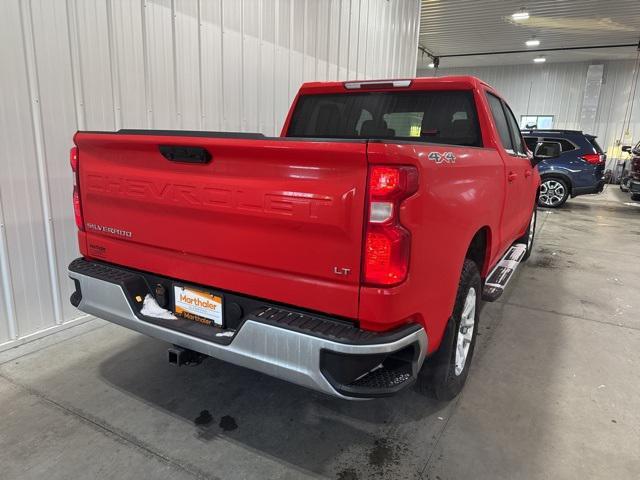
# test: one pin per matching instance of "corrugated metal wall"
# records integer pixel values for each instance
(176, 64)
(558, 89)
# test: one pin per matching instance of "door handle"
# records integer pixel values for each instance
(527, 173)
(512, 176)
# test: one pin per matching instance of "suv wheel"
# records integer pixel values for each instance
(444, 374)
(553, 192)
(635, 196)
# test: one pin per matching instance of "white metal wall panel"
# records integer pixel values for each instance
(614, 98)
(7, 313)
(211, 64)
(175, 64)
(91, 25)
(558, 89)
(186, 46)
(129, 62)
(266, 71)
(251, 30)
(27, 259)
(58, 116)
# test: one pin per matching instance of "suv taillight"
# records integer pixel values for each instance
(387, 243)
(593, 158)
(74, 159)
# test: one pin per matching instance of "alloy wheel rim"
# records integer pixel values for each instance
(465, 332)
(551, 192)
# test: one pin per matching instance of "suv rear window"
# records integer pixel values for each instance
(443, 117)
(566, 145)
(592, 141)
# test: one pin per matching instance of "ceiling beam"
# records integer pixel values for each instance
(536, 50)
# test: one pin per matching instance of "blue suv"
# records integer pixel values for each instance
(578, 170)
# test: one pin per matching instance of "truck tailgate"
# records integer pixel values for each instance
(270, 218)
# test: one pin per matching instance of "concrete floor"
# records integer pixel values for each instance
(554, 391)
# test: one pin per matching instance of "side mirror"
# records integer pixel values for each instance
(546, 150)
(626, 148)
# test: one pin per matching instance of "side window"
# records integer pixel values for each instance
(495, 104)
(566, 145)
(531, 143)
(515, 131)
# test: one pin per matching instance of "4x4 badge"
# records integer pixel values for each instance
(446, 157)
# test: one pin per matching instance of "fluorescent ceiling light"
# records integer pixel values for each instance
(539, 60)
(520, 16)
(532, 43)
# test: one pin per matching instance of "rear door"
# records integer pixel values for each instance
(523, 160)
(271, 218)
(518, 172)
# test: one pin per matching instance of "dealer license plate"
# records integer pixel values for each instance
(198, 305)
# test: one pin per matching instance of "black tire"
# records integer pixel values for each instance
(623, 185)
(438, 377)
(530, 235)
(553, 184)
(635, 196)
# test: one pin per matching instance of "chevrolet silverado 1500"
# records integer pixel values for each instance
(349, 255)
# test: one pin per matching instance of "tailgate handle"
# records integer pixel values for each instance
(182, 154)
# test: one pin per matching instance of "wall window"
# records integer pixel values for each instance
(532, 122)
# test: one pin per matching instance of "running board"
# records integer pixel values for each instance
(502, 272)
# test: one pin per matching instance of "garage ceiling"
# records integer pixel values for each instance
(455, 27)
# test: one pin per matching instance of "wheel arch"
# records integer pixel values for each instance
(556, 174)
(479, 250)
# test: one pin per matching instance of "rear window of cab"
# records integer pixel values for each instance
(435, 116)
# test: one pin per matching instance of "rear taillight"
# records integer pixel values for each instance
(74, 159)
(593, 158)
(387, 243)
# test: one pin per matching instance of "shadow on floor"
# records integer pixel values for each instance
(295, 425)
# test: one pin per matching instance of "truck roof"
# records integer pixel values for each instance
(458, 82)
(533, 131)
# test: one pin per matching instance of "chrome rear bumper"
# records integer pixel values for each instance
(274, 350)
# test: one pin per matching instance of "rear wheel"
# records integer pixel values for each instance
(635, 196)
(553, 192)
(444, 374)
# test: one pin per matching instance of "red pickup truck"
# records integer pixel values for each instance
(349, 255)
